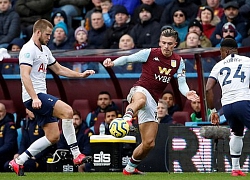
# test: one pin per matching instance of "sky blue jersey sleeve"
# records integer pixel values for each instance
(181, 77)
(140, 56)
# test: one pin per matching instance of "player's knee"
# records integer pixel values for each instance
(149, 144)
(68, 112)
(54, 138)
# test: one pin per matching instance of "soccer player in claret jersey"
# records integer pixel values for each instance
(233, 74)
(34, 58)
(158, 67)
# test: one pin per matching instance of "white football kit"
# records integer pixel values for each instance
(233, 74)
(38, 59)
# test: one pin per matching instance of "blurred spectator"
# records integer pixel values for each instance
(108, 12)
(129, 5)
(110, 115)
(14, 46)
(127, 43)
(244, 6)
(8, 137)
(81, 36)
(82, 140)
(103, 102)
(120, 27)
(229, 29)
(187, 5)
(231, 10)
(147, 31)
(180, 24)
(72, 8)
(168, 96)
(193, 40)
(60, 37)
(30, 11)
(195, 26)
(156, 11)
(196, 115)
(216, 6)
(208, 20)
(10, 23)
(162, 112)
(31, 132)
(97, 33)
(60, 15)
(97, 7)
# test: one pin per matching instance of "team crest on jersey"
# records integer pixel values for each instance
(27, 55)
(173, 63)
(156, 59)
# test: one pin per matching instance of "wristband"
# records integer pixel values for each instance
(213, 110)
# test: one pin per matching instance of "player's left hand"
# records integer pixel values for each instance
(87, 73)
(215, 119)
(191, 95)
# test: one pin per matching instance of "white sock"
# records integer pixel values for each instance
(132, 164)
(35, 148)
(70, 136)
(236, 145)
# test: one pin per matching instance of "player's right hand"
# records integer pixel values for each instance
(215, 119)
(36, 103)
(108, 62)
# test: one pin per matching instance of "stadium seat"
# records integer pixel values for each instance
(187, 107)
(83, 106)
(180, 117)
(121, 104)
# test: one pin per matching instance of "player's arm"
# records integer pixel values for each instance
(140, 56)
(211, 82)
(64, 71)
(25, 77)
(183, 87)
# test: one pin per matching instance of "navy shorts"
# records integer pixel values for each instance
(43, 115)
(238, 116)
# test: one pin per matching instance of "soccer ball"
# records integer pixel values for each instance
(119, 128)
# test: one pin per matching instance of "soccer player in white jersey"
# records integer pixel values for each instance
(158, 66)
(233, 75)
(34, 58)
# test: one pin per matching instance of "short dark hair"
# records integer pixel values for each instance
(76, 112)
(229, 42)
(104, 92)
(110, 109)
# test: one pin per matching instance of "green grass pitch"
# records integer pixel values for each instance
(119, 176)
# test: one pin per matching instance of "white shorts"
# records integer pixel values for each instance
(149, 112)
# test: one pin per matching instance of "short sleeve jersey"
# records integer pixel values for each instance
(233, 74)
(38, 59)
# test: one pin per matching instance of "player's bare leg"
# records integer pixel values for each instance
(148, 132)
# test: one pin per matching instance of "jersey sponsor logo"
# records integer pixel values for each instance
(164, 70)
(42, 68)
(164, 79)
(173, 63)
